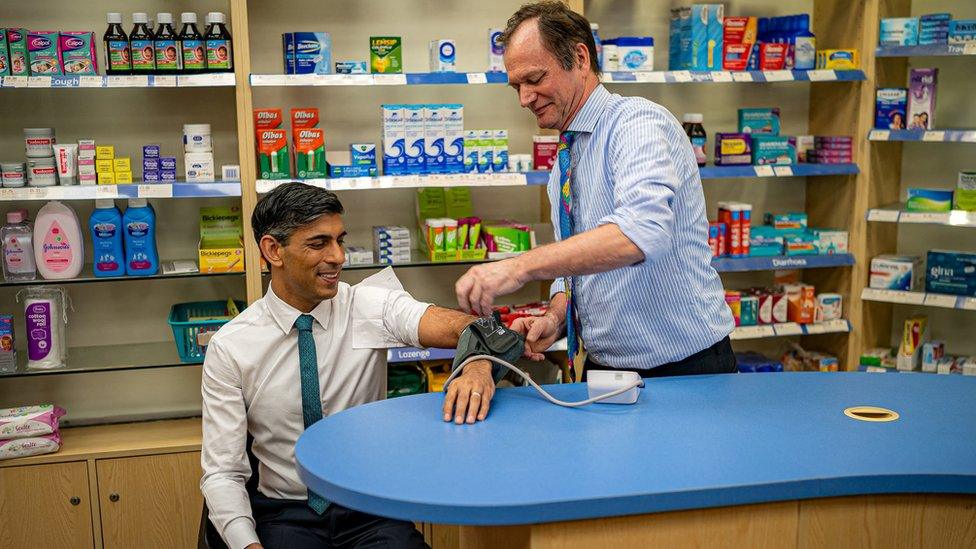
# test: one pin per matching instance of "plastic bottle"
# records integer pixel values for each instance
(220, 49)
(595, 28)
(169, 58)
(60, 249)
(18, 248)
(141, 42)
(789, 38)
(118, 57)
(806, 45)
(108, 254)
(194, 49)
(139, 236)
(692, 123)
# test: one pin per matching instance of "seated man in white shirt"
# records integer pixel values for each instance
(311, 347)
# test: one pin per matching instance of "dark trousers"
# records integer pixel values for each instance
(292, 524)
(717, 359)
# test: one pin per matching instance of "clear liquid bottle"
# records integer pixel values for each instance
(118, 56)
(193, 47)
(18, 248)
(220, 48)
(696, 133)
(169, 58)
(141, 43)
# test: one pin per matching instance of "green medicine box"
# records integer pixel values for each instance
(385, 55)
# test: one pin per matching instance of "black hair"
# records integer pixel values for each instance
(560, 28)
(290, 206)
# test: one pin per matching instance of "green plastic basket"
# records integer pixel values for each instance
(192, 336)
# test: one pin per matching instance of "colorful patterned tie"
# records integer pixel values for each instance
(566, 230)
(311, 401)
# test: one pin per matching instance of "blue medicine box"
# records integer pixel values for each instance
(949, 272)
(313, 53)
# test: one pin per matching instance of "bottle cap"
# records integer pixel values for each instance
(188, 17)
(693, 118)
(104, 203)
(164, 18)
(138, 202)
(140, 18)
(16, 216)
(114, 18)
(216, 17)
(594, 26)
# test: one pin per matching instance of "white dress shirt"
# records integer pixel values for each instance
(251, 384)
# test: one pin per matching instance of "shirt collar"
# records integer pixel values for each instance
(285, 315)
(589, 114)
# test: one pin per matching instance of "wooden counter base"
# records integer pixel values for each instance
(891, 521)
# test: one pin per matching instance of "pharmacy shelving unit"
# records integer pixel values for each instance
(877, 204)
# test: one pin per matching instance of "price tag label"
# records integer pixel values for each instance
(90, 81)
(764, 171)
(652, 77)
(106, 191)
(888, 216)
(341, 184)
(264, 185)
(11, 194)
(822, 75)
(778, 76)
(137, 81)
(897, 296)
(753, 332)
(681, 76)
(156, 190)
(969, 48)
(934, 136)
(879, 135)
(876, 370)
(788, 329)
(940, 218)
(816, 328)
(38, 81)
(15, 81)
(939, 300)
(742, 77)
(477, 78)
(164, 81)
(721, 76)
(256, 80)
(387, 181)
(837, 325)
(359, 79)
(222, 79)
(783, 171)
(37, 193)
(300, 80)
(390, 79)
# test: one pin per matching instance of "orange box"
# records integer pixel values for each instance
(267, 119)
(801, 303)
(304, 118)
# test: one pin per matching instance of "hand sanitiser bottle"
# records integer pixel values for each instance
(18, 248)
(59, 251)
(108, 254)
(141, 257)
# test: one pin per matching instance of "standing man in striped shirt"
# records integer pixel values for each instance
(632, 266)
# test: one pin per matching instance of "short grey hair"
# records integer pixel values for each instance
(560, 28)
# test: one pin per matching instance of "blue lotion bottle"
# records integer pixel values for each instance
(105, 223)
(141, 256)
(805, 45)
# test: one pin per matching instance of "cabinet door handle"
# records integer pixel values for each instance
(75, 500)
(113, 497)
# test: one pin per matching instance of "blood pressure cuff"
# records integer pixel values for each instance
(489, 336)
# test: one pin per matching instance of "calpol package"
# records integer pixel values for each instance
(30, 446)
(77, 52)
(29, 421)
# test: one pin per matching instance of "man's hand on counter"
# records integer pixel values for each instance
(540, 333)
(469, 395)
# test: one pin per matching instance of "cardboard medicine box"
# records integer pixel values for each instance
(221, 248)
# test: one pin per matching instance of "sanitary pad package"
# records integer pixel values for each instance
(29, 421)
(30, 446)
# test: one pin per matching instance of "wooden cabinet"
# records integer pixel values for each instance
(46, 506)
(150, 501)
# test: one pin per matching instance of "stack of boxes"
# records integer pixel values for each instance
(392, 244)
(782, 234)
(696, 37)
(111, 170)
(309, 143)
(793, 302)
(87, 172)
(272, 145)
(156, 168)
(730, 235)
(485, 151)
(198, 159)
(430, 139)
(926, 30)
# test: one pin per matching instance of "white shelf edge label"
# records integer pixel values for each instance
(106, 191)
(164, 81)
(888, 216)
(778, 76)
(764, 171)
(879, 135)
(924, 217)
(155, 190)
(742, 77)
(721, 76)
(15, 81)
(681, 76)
(90, 81)
(477, 78)
(821, 75)
(969, 48)
(38, 81)
(968, 303)
(940, 300)
(934, 136)
(390, 79)
(788, 328)
(652, 77)
(783, 171)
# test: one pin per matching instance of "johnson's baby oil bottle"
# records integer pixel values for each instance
(18, 248)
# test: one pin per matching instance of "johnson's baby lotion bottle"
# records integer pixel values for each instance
(59, 247)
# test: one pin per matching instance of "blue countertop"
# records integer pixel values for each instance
(690, 442)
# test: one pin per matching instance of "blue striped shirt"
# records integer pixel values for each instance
(633, 166)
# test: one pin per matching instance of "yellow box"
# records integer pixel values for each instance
(105, 152)
(122, 164)
(123, 177)
(221, 256)
(106, 178)
(105, 166)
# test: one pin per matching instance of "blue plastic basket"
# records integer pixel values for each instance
(187, 333)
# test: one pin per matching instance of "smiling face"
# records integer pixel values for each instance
(305, 271)
(552, 93)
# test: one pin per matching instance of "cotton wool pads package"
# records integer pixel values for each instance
(46, 314)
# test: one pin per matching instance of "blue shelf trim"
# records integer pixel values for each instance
(433, 78)
(924, 51)
(104, 81)
(740, 264)
(682, 77)
(934, 136)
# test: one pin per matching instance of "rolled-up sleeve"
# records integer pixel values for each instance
(645, 181)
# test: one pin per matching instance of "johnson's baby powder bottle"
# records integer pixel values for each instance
(108, 255)
(139, 221)
(59, 249)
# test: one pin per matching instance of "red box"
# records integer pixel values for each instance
(544, 151)
(731, 217)
(735, 57)
(772, 57)
(739, 30)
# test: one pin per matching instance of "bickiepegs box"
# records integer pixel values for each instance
(922, 85)
(950, 272)
(385, 55)
(890, 108)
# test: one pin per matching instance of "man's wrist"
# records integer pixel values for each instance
(478, 367)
